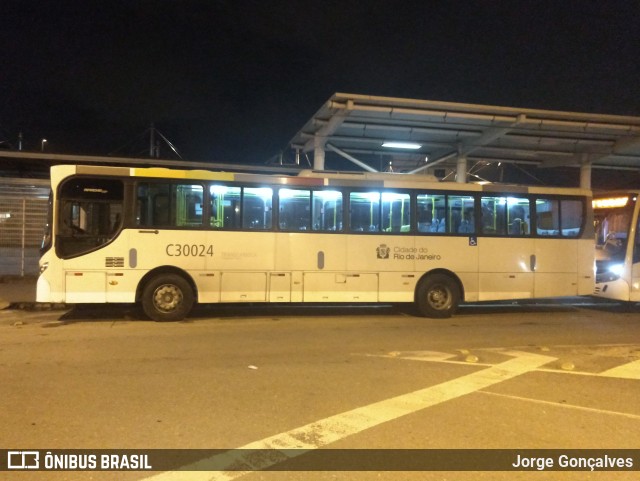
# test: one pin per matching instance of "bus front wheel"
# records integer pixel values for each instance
(167, 298)
(437, 296)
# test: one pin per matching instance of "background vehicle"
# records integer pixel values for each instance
(170, 238)
(617, 246)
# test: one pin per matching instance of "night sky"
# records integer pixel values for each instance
(233, 81)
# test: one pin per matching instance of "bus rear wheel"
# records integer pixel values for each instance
(167, 297)
(437, 296)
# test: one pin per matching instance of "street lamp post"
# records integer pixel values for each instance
(42, 142)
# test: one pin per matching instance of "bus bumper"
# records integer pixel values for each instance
(617, 289)
(45, 294)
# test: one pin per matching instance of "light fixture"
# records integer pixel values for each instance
(610, 203)
(401, 145)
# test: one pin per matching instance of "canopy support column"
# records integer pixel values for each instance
(318, 152)
(585, 172)
(461, 170)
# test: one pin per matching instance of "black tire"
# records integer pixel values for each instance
(167, 298)
(437, 295)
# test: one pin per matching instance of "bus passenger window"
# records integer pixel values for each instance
(547, 217)
(461, 218)
(189, 205)
(225, 207)
(431, 213)
(256, 208)
(559, 217)
(163, 204)
(161, 210)
(505, 216)
(396, 212)
(327, 210)
(295, 209)
(364, 211)
(571, 217)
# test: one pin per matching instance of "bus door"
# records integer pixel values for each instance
(559, 251)
(506, 249)
(89, 220)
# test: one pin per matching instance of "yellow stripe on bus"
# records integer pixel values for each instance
(162, 172)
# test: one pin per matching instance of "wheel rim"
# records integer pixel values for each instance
(440, 298)
(167, 298)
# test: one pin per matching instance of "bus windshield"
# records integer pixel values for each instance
(612, 231)
(89, 216)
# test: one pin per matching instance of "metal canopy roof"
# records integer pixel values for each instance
(355, 127)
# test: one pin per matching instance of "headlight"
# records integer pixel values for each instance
(617, 269)
(43, 267)
(612, 273)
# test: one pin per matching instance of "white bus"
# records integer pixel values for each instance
(170, 238)
(617, 245)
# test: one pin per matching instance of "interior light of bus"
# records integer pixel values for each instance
(218, 189)
(610, 202)
(264, 193)
(328, 195)
(402, 145)
(392, 197)
(290, 193)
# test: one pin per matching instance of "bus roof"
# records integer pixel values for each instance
(308, 178)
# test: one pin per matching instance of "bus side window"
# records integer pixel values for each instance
(327, 210)
(141, 211)
(505, 216)
(364, 211)
(295, 209)
(425, 213)
(559, 217)
(396, 212)
(160, 210)
(188, 205)
(225, 209)
(518, 216)
(461, 217)
(547, 217)
(256, 208)
(571, 217)
(169, 205)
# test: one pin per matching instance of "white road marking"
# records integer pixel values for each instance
(564, 405)
(631, 370)
(329, 430)
(426, 356)
(422, 355)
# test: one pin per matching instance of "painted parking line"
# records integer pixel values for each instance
(560, 405)
(329, 430)
(630, 370)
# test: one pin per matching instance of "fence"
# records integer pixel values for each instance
(23, 214)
